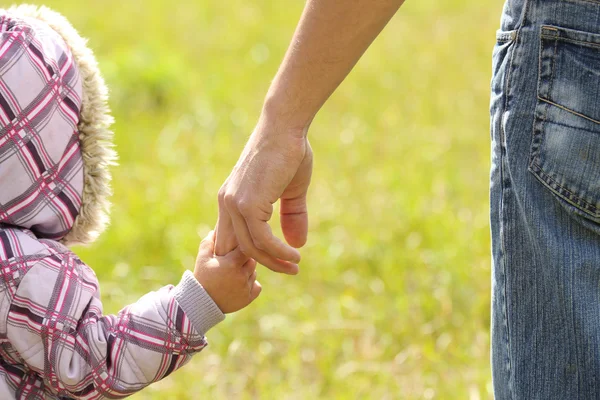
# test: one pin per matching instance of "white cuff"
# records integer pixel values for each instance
(197, 303)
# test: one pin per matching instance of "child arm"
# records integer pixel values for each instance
(56, 324)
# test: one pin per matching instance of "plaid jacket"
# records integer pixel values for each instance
(55, 342)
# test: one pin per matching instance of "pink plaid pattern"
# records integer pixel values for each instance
(40, 92)
(55, 342)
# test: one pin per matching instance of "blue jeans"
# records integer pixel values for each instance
(545, 201)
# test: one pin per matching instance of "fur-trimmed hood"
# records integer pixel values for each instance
(55, 141)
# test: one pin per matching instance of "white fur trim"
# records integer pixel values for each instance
(95, 137)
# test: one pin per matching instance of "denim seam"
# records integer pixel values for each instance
(575, 335)
(506, 338)
(563, 192)
(502, 169)
(553, 122)
(524, 14)
(586, 1)
(538, 122)
(569, 110)
(535, 135)
(552, 71)
(508, 76)
(505, 310)
(577, 41)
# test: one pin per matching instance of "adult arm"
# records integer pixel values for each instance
(277, 160)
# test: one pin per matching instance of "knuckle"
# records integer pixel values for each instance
(244, 206)
(242, 262)
(244, 249)
(250, 265)
(259, 243)
(221, 196)
(239, 259)
(229, 199)
(264, 240)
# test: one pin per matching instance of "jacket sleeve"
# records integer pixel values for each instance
(55, 322)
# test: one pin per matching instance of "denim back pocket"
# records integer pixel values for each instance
(565, 151)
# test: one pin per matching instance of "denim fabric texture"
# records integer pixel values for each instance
(545, 201)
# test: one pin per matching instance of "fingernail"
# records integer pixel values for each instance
(296, 259)
(294, 270)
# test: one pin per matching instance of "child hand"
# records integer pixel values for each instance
(230, 280)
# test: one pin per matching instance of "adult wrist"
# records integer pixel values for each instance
(280, 117)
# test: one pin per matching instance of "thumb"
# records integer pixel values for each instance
(294, 220)
(207, 246)
(294, 211)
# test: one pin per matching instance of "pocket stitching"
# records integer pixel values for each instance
(564, 39)
(538, 128)
(587, 1)
(563, 192)
(568, 110)
(556, 38)
(552, 71)
(538, 125)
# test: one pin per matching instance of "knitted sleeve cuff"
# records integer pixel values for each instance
(197, 304)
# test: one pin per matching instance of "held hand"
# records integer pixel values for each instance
(271, 167)
(230, 280)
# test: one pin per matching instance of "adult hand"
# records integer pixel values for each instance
(275, 164)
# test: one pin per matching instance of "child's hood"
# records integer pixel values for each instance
(55, 142)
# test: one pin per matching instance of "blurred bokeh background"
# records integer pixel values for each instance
(392, 301)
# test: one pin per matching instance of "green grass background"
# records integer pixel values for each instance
(392, 301)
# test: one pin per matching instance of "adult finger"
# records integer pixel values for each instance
(225, 240)
(263, 239)
(293, 210)
(252, 277)
(255, 291)
(294, 220)
(247, 246)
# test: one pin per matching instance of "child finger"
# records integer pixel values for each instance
(207, 245)
(235, 257)
(249, 267)
(208, 241)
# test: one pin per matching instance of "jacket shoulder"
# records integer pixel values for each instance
(20, 250)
